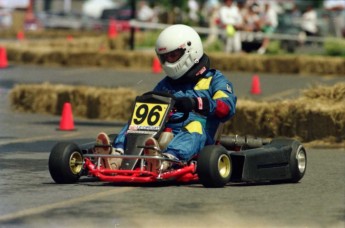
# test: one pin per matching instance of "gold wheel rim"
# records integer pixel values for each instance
(224, 166)
(76, 162)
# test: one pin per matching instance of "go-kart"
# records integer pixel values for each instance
(230, 159)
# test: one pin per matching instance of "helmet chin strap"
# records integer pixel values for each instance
(194, 73)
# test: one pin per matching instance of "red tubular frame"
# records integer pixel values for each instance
(184, 174)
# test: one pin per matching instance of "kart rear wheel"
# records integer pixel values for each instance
(297, 162)
(214, 166)
(65, 163)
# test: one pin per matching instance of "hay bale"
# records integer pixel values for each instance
(118, 59)
(13, 54)
(87, 102)
(33, 98)
(104, 52)
(286, 64)
(82, 58)
(321, 65)
(116, 105)
(318, 114)
(335, 93)
(262, 118)
(237, 62)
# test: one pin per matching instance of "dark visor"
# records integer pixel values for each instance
(172, 56)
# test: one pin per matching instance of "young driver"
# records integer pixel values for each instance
(200, 90)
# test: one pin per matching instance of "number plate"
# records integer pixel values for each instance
(147, 116)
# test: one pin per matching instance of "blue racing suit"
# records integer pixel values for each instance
(198, 130)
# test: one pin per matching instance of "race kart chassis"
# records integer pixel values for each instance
(280, 160)
(139, 175)
(252, 160)
(231, 159)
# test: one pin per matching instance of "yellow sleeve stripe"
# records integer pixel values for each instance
(219, 94)
(203, 84)
(194, 127)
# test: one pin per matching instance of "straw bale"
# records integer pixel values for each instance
(82, 58)
(118, 59)
(288, 118)
(318, 114)
(88, 102)
(116, 105)
(119, 43)
(278, 64)
(56, 58)
(252, 63)
(30, 56)
(33, 98)
(218, 61)
(104, 52)
(48, 34)
(262, 118)
(335, 93)
(13, 53)
(321, 65)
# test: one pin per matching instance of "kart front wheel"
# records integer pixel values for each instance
(214, 166)
(65, 163)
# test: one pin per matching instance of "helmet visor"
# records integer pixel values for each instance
(173, 56)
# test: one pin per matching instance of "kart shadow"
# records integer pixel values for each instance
(94, 182)
(249, 184)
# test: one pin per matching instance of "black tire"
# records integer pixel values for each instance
(298, 162)
(65, 163)
(214, 166)
(298, 159)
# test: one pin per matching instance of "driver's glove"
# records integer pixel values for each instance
(188, 104)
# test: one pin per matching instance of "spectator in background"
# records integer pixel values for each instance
(269, 23)
(5, 18)
(337, 11)
(251, 18)
(231, 20)
(193, 9)
(211, 12)
(146, 13)
(295, 11)
(309, 22)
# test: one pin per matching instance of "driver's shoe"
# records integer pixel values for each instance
(103, 146)
(152, 165)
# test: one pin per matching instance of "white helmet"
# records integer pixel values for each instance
(179, 48)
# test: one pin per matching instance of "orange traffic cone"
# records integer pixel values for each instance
(112, 31)
(20, 36)
(66, 122)
(69, 38)
(156, 66)
(256, 89)
(3, 58)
